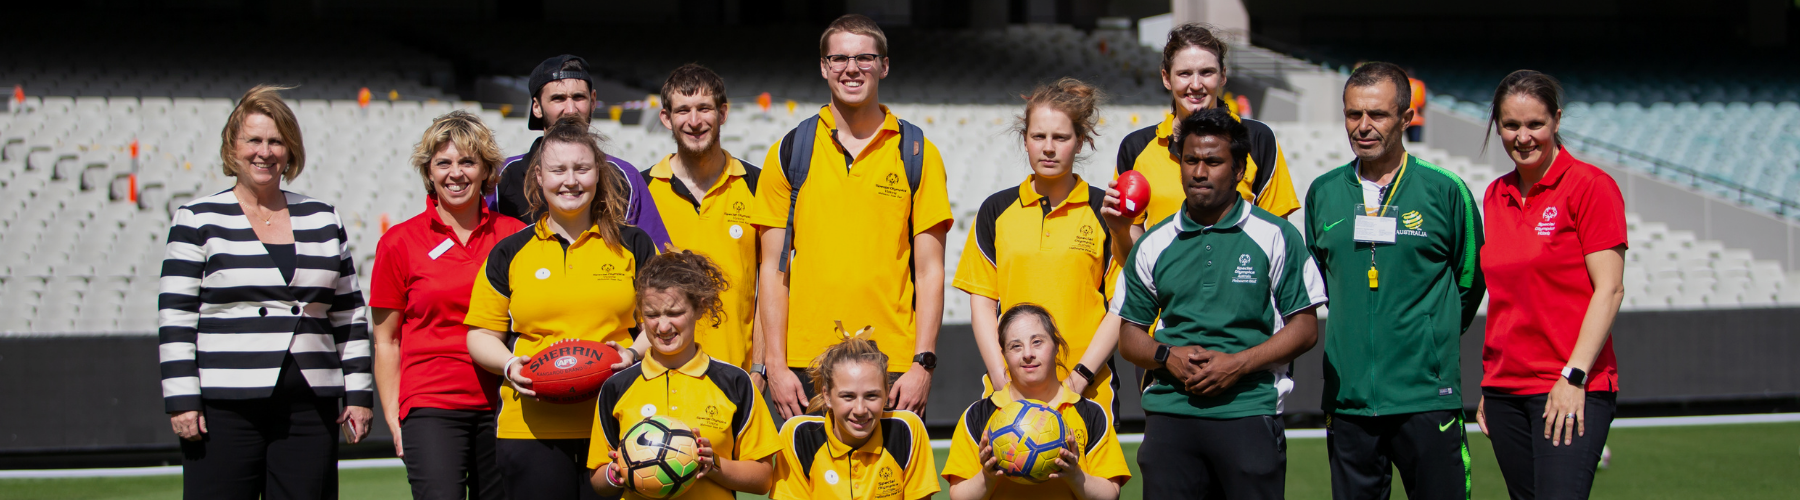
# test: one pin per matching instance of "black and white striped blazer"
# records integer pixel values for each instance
(227, 321)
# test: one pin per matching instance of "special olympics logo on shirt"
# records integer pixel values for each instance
(892, 179)
(1244, 259)
(1550, 213)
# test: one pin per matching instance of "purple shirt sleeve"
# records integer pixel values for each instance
(640, 209)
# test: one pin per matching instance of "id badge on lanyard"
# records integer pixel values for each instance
(1376, 224)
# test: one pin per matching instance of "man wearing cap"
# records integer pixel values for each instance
(561, 86)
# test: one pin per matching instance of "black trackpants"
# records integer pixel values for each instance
(283, 447)
(545, 469)
(450, 454)
(1187, 457)
(1532, 467)
(1429, 448)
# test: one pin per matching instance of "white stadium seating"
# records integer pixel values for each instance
(77, 256)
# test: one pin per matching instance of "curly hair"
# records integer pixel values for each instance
(1216, 122)
(471, 137)
(854, 349)
(694, 275)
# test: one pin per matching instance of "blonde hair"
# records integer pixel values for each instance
(607, 211)
(263, 100)
(854, 349)
(1075, 98)
(856, 24)
(471, 137)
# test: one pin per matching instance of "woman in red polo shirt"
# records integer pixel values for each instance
(439, 405)
(1554, 261)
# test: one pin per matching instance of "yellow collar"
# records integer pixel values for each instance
(545, 233)
(889, 122)
(1064, 397)
(1029, 196)
(664, 170)
(839, 449)
(694, 368)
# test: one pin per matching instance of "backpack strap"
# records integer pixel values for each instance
(912, 153)
(796, 160)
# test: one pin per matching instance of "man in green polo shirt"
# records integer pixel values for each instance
(1399, 241)
(1236, 292)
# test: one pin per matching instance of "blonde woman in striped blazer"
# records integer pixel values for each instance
(261, 323)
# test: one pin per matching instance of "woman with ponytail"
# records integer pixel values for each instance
(856, 450)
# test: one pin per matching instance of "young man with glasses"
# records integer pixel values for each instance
(852, 223)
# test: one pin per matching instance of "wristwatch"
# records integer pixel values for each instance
(759, 369)
(1084, 372)
(1162, 354)
(1575, 376)
(927, 360)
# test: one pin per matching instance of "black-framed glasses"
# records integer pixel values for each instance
(865, 62)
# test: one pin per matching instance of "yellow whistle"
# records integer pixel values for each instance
(1374, 279)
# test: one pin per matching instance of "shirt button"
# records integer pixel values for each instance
(1209, 248)
(263, 312)
(295, 310)
(1209, 263)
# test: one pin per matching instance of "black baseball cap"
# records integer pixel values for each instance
(552, 70)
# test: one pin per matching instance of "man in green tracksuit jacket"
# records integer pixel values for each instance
(1398, 240)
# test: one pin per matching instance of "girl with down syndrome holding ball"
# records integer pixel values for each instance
(1090, 464)
(677, 380)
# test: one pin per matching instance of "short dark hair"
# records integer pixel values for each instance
(1193, 35)
(1219, 122)
(1372, 74)
(1537, 85)
(690, 79)
(855, 24)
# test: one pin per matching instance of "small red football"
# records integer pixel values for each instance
(570, 371)
(1134, 193)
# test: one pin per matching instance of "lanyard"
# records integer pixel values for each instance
(1392, 192)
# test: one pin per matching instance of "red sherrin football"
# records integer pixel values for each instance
(570, 371)
(1134, 193)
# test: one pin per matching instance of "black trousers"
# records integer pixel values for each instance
(1188, 457)
(545, 469)
(283, 447)
(450, 454)
(1429, 448)
(1532, 467)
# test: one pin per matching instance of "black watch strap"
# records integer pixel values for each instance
(1162, 354)
(1084, 372)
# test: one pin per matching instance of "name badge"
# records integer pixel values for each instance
(441, 248)
(1374, 225)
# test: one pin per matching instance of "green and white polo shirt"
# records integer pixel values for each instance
(1225, 287)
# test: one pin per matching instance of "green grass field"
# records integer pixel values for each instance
(1745, 461)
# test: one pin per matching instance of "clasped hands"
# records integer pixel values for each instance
(1204, 372)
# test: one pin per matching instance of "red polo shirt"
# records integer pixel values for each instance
(422, 271)
(1537, 278)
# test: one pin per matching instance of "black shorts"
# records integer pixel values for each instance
(1189, 457)
(1429, 448)
(545, 469)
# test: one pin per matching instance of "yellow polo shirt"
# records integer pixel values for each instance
(853, 252)
(895, 464)
(546, 289)
(1266, 183)
(716, 224)
(1090, 427)
(714, 397)
(1024, 250)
